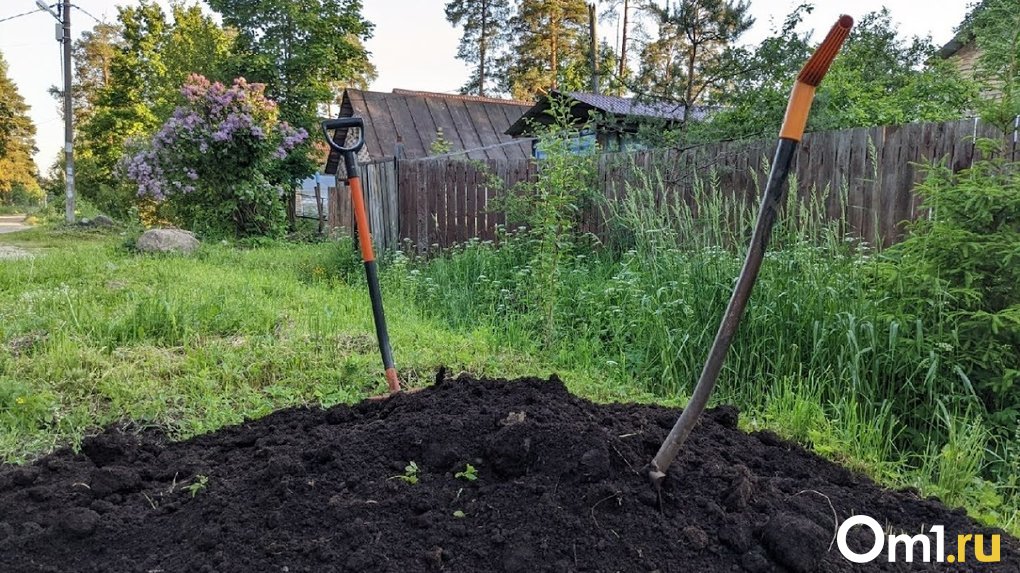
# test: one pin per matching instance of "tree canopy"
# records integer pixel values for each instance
(298, 49)
(551, 39)
(693, 55)
(879, 78)
(17, 144)
(128, 79)
(995, 26)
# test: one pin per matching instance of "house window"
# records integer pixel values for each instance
(583, 144)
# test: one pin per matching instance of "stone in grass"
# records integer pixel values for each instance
(167, 241)
(102, 221)
(98, 221)
(797, 543)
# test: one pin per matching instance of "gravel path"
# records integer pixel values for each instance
(12, 224)
(8, 252)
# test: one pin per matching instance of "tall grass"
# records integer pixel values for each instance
(821, 353)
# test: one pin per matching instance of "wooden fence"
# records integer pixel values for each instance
(381, 192)
(865, 176)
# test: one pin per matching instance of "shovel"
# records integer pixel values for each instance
(789, 136)
(350, 155)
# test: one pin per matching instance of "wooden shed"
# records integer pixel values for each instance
(963, 52)
(407, 123)
(616, 119)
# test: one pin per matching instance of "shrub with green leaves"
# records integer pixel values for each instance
(551, 205)
(221, 163)
(960, 268)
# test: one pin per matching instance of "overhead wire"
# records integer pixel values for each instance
(86, 12)
(2, 20)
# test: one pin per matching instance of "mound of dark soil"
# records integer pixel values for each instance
(559, 488)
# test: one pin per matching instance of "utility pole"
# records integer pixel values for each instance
(68, 115)
(63, 17)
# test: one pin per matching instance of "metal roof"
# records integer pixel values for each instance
(473, 125)
(629, 109)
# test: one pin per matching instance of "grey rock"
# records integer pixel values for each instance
(102, 221)
(167, 241)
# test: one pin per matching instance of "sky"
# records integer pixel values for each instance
(413, 46)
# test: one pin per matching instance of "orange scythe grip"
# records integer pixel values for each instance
(360, 216)
(810, 76)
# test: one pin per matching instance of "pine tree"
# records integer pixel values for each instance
(483, 41)
(551, 39)
(693, 54)
(17, 144)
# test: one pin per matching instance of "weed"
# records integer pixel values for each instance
(469, 473)
(200, 484)
(410, 475)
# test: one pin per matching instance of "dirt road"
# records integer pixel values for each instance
(12, 223)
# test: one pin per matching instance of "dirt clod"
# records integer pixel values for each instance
(559, 488)
(796, 542)
(79, 522)
(109, 480)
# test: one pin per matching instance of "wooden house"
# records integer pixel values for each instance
(414, 125)
(615, 120)
(963, 52)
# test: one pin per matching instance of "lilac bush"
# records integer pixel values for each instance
(220, 164)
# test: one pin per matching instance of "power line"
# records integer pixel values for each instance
(19, 15)
(84, 11)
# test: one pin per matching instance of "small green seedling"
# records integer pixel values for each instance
(410, 474)
(200, 483)
(459, 514)
(469, 473)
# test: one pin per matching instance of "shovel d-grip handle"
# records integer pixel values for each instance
(345, 123)
(789, 136)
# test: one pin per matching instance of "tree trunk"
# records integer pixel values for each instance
(692, 57)
(482, 38)
(554, 64)
(292, 210)
(623, 45)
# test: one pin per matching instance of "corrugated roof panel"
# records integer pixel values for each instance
(466, 128)
(488, 136)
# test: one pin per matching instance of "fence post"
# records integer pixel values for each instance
(318, 202)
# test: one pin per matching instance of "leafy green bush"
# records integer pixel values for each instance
(221, 163)
(550, 206)
(960, 270)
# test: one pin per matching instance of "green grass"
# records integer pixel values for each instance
(91, 334)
